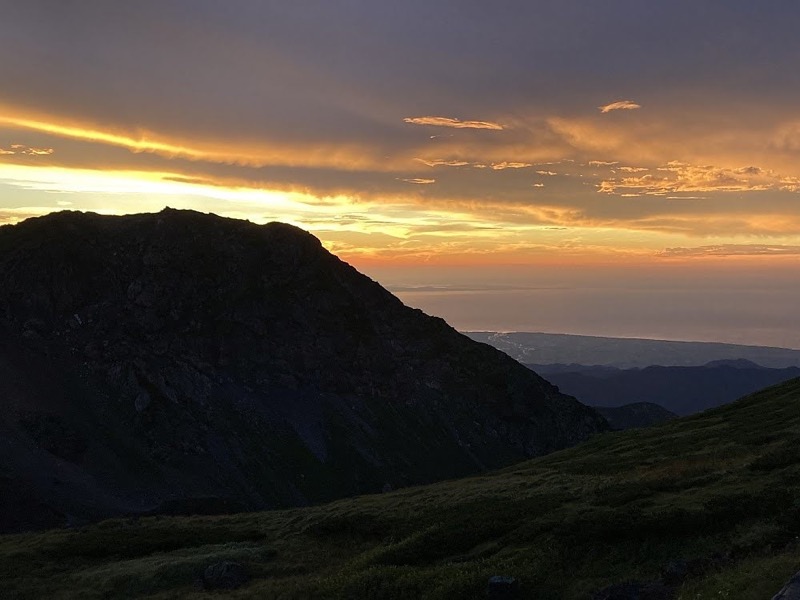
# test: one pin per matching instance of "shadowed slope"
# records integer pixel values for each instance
(182, 362)
(706, 504)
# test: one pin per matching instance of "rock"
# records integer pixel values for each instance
(225, 575)
(501, 587)
(142, 401)
(791, 591)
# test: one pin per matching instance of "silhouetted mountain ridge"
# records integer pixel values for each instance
(152, 360)
(681, 390)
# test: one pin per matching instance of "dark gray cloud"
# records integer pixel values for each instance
(353, 69)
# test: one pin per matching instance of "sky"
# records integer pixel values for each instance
(605, 168)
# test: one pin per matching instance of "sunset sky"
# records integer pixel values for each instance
(611, 168)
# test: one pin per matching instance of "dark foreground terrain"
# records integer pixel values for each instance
(704, 507)
(181, 363)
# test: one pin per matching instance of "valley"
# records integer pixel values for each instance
(715, 492)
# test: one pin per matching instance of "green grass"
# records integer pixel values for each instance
(617, 508)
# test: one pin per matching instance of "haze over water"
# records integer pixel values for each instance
(745, 307)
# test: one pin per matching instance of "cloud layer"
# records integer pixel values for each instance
(443, 129)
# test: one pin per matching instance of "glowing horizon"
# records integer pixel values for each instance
(519, 146)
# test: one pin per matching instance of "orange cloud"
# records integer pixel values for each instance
(510, 165)
(450, 122)
(495, 166)
(619, 105)
(678, 177)
(732, 250)
(23, 150)
(442, 163)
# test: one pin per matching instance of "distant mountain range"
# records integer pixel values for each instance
(182, 362)
(625, 353)
(681, 390)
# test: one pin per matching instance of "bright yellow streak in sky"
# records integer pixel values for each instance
(340, 156)
(143, 144)
(362, 231)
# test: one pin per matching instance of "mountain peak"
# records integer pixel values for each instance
(154, 359)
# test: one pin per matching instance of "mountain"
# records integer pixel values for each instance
(628, 353)
(681, 390)
(181, 363)
(638, 414)
(704, 506)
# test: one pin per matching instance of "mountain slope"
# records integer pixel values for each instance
(638, 414)
(682, 390)
(182, 362)
(703, 507)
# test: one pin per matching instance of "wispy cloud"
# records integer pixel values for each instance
(23, 150)
(787, 137)
(548, 173)
(442, 163)
(418, 180)
(619, 105)
(495, 166)
(450, 122)
(509, 165)
(733, 250)
(681, 178)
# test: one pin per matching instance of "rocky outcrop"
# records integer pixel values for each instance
(791, 591)
(151, 360)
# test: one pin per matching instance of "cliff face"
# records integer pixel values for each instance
(185, 362)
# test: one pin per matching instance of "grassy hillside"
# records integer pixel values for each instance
(618, 508)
